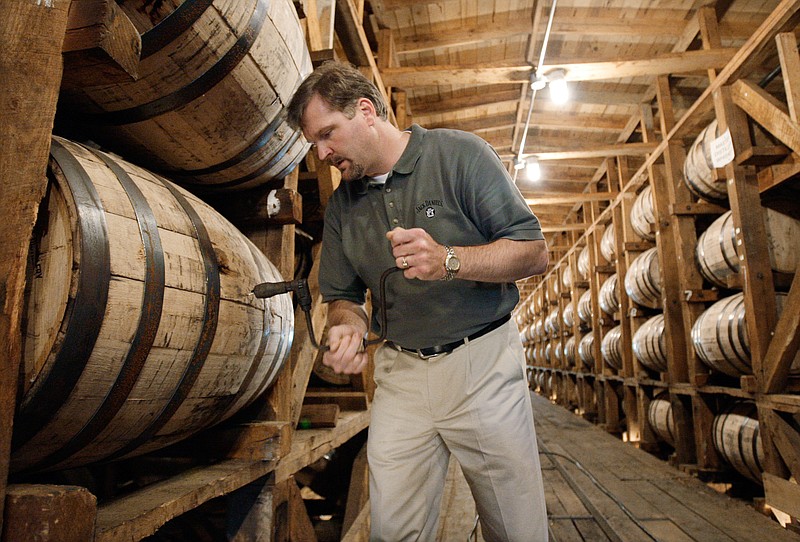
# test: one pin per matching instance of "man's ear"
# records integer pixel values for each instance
(367, 108)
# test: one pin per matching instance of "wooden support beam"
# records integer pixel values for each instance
(322, 415)
(49, 513)
(347, 400)
(785, 438)
(790, 70)
(669, 63)
(140, 514)
(101, 45)
(31, 39)
(782, 494)
(767, 111)
(605, 151)
(555, 199)
(311, 444)
(358, 490)
(785, 341)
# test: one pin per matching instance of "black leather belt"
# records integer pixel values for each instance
(433, 351)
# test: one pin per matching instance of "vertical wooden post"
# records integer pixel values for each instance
(676, 240)
(623, 233)
(31, 38)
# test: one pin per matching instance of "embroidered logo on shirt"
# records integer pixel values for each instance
(429, 206)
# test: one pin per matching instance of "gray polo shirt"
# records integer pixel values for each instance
(453, 185)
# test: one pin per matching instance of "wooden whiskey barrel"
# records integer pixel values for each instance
(643, 216)
(643, 279)
(209, 105)
(586, 350)
(698, 169)
(538, 354)
(583, 263)
(585, 307)
(140, 329)
(738, 440)
(552, 323)
(661, 420)
(649, 344)
(558, 353)
(566, 279)
(611, 348)
(717, 256)
(719, 336)
(538, 328)
(608, 244)
(609, 295)
(570, 351)
(569, 316)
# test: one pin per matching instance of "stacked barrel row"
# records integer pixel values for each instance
(574, 328)
(140, 328)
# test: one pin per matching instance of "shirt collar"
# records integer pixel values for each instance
(412, 152)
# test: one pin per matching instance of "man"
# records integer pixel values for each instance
(451, 378)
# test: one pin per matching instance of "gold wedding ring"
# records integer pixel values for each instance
(404, 262)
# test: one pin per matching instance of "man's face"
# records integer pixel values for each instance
(339, 140)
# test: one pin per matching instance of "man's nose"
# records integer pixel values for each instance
(323, 151)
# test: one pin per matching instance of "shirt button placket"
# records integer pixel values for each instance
(391, 210)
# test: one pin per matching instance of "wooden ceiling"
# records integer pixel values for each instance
(467, 64)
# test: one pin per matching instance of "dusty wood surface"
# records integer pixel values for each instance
(49, 513)
(598, 488)
(142, 513)
(308, 445)
(618, 492)
(31, 36)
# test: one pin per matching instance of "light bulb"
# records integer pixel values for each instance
(532, 170)
(559, 92)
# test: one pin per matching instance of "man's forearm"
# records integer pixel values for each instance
(342, 312)
(504, 260)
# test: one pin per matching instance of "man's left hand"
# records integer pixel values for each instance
(417, 254)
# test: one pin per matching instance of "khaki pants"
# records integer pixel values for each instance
(473, 403)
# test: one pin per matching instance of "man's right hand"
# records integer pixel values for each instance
(346, 354)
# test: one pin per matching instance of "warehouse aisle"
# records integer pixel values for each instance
(599, 488)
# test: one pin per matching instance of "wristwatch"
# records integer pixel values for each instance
(451, 264)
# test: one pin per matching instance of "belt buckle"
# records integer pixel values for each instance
(429, 356)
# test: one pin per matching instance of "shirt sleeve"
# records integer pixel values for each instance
(337, 278)
(493, 201)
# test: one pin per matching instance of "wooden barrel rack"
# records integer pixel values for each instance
(638, 374)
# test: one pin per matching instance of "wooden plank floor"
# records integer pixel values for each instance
(599, 488)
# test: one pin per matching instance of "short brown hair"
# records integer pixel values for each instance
(341, 85)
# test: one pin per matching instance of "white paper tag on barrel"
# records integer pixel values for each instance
(698, 168)
(722, 152)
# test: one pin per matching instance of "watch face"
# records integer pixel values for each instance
(453, 263)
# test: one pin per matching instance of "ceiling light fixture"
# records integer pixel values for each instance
(559, 91)
(537, 82)
(532, 169)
